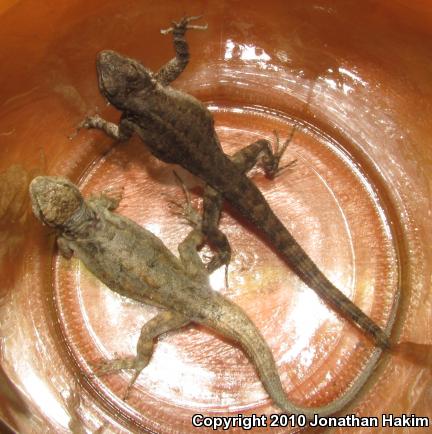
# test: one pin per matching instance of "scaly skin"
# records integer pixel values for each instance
(179, 129)
(136, 264)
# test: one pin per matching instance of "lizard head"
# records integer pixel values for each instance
(54, 200)
(120, 77)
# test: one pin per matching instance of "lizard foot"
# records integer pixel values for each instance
(185, 209)
(87, 123)
(116, 132)
(109, 198)
(217, 261)
(272, 168)
(111, 366)
(183, 25)
(90, 122)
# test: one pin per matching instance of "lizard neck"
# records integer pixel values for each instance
(80, 222)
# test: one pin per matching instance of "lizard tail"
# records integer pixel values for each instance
(306, 269)
(235, 325)
(253, 206)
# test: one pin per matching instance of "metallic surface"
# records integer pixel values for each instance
(358, 201)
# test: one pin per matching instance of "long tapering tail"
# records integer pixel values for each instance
(235, 325)
(255, 208)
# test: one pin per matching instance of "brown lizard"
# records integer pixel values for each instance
(133, 262)
(179, 129)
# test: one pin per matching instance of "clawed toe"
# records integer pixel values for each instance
(185, 209)
(184, 25)
(273, 170)
(87, 123)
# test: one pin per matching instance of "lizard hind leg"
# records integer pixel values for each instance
(186, 209)
(261, 152)
(211, 215)
(272, 166)
(162, 323)
(188, 248)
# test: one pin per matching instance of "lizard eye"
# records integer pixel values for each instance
(131, 72)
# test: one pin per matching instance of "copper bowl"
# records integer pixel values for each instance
(354, 77)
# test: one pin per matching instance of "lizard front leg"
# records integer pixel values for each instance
(107, 200)
(64, 248)
(162, 323)
(188, 249)
(171, 70)
(192, 263)
(120, 132)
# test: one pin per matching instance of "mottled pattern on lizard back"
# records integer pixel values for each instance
(133, 262)
(177, 128)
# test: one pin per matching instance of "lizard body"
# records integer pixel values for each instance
(177, 128)
(133, 262)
